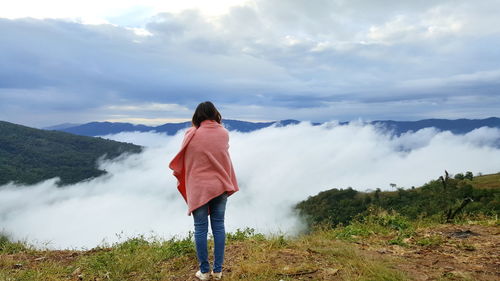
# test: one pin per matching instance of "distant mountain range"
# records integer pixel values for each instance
(458, 126)
(106, 128)
(62, 126)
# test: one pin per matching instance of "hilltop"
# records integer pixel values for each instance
(465, 251)
(29, 155)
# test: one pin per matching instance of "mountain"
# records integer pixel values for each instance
(244, 126)
(106, 128)
(61, 126)
(459, 126)
(29, 155)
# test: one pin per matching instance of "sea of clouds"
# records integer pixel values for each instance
(276, 168)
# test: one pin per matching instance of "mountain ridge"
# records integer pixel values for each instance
(456, 126)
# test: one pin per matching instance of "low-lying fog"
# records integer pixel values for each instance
(276, 168)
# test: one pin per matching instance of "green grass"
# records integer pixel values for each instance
(434, 240)
(137, 258)
(8, 247)
(395, 227)
(486, 181)
(249, 256)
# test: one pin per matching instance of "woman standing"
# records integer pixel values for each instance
(206, 178)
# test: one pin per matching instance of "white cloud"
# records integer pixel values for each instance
(276, 168)
(97, 12)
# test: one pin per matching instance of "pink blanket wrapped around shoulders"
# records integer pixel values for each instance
(203, 167)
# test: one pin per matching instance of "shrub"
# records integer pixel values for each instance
(247, 233)
(9, 247)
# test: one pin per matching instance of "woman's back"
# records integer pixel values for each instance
(208, 171)
(205, 179)
(210, 139)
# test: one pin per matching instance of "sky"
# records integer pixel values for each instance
(152, 62)
(138, 195)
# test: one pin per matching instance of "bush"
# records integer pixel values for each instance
(176, 248)
(9, 247)
(240, 235)
(378, 222)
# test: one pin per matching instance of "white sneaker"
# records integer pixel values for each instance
(217, 275)
(202, 276)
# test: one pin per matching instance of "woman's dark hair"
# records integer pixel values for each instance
(205, 111)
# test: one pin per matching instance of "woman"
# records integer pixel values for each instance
(206, 178)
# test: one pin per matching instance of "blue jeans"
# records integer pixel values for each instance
(217, 208)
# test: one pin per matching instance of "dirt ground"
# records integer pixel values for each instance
(450, 252)
(446, 252)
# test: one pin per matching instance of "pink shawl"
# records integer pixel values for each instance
(203, 167)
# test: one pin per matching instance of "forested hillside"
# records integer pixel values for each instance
(29, 155)
(442, 199)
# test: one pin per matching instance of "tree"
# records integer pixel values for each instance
(377, 194)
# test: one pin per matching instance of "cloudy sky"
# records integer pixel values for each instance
(153, 61)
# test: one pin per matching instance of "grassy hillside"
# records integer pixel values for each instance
(487, 181)
(29, 155)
